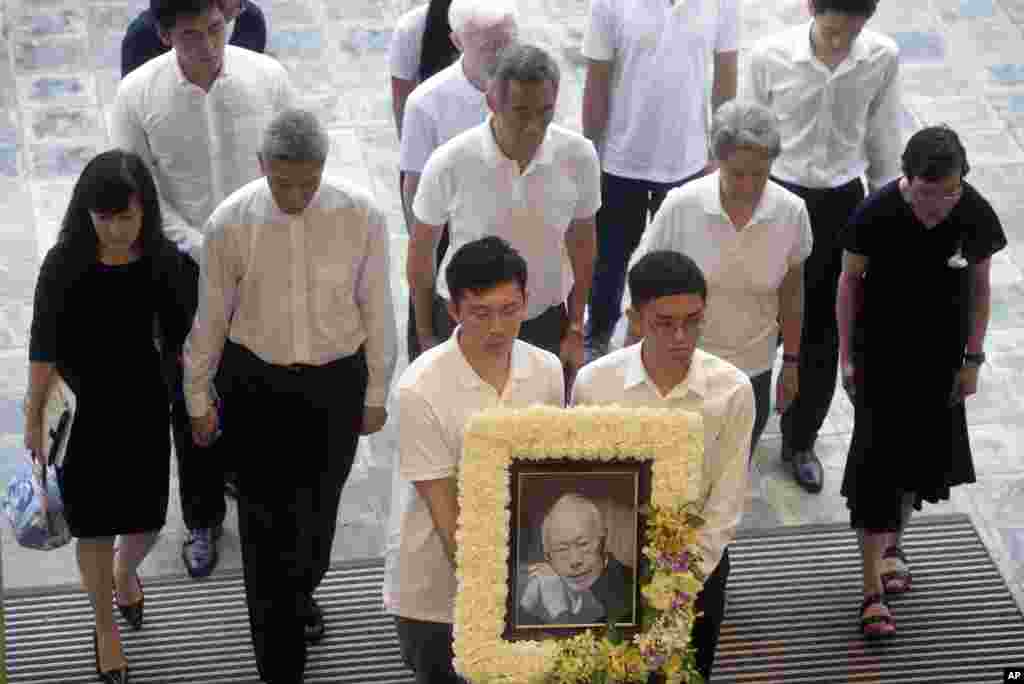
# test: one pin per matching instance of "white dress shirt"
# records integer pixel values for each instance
(308, 288)
(723, 396)
(440, 108)
(743, 265)
(835, 124)
(470, 184)
(407, 44)
(200, 146)
(437, 395)
(657, 115)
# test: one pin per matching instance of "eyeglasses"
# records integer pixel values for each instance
(689, 326)
(583, 546)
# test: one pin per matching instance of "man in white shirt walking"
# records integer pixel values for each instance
(481, 366)
(645, 109)
(195, 115)
(667, 370)
(835, 87)
(535, 184)
(295, 312)
(450, 102)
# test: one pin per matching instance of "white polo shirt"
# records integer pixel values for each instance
(658, 108)
(722, 394)
(440, 108)
(835, 124)
(437, 395)
(743, 265)
(407, 44)
(470, 184)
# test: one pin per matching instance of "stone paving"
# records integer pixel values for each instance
(963, 64)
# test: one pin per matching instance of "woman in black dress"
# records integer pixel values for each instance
(109, 284)
(913, 309)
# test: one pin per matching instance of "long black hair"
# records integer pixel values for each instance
(107, 184)
(437, 50)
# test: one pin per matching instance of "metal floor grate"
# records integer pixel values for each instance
(792, 617)
(197, 632)
(794, 598)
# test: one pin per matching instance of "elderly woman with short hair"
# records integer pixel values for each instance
(750, 237)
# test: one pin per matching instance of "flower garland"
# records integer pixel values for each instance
(673, 442)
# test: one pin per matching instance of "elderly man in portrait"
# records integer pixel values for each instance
(581, 582)
(450, 102)
(526, 180)
(296, 313)
(195, 115)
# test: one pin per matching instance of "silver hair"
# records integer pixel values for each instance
(744, 124)
(520, 62)
(295, 135)
(480, 14)
(572, 502)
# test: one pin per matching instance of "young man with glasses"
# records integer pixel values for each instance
(835, 88)
(667, 370)
(481, 365)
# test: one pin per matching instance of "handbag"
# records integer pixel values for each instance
(32, 503)
(34, 508)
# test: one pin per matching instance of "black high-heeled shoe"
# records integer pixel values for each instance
(132, 612)
(110, 676)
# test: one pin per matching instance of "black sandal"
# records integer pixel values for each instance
(875, 626)
(132, 612)
(896, 581)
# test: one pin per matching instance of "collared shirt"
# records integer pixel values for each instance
(835, 124)
(743, 265)
(722, 394)
(308, 288)
(201, 146)
(657, 109)
(470, 184)
(440, 108)
(437, 395)
(407, 44)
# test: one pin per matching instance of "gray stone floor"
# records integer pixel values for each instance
(963, 65)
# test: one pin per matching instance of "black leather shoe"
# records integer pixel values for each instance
(132, 612)
(807, 470)
(314, 627)
(110, 676)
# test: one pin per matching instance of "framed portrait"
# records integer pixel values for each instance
(576, 530)
(550, 543)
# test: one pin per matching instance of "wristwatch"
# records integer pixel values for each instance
(791, 359)
(974, 359)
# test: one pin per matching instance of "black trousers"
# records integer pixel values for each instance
(545, 330)
(830, 210)
(707, 627)
(626, 204)
(294, 431)
(762, 384)
(427, 649)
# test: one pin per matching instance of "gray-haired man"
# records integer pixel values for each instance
(295, 309)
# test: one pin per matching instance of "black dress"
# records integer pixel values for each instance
(96, 323)
(909, 342)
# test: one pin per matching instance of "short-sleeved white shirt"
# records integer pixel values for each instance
(743, 268)
(436, 396)
(406, 44)
(657, 118)
(440, 108)
(471, 185)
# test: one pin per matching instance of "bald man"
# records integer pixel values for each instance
(580, 582)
